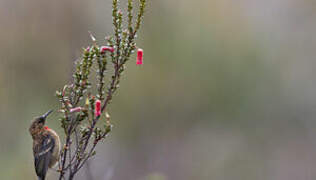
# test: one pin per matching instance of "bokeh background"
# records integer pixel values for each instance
(227, 89)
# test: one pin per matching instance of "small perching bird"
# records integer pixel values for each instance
(46, 146)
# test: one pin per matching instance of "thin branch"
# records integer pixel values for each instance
(81, 124)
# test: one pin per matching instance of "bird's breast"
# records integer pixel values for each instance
(56, 149)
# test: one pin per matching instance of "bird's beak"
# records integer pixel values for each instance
(46, 114)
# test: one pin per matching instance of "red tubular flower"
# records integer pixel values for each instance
(139, 60)
(103, 49)
(76, 109)
(97, 108)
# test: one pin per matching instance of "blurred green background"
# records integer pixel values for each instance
(227, 89)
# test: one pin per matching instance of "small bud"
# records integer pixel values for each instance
(58, 93)
(139, 57)
(87, 102)
(76, 109)
(67, 102)
(103, 49)
(64, 90)
(88, 49)
(91, 36)
(107, 116)
(61, 110)
(97, 109)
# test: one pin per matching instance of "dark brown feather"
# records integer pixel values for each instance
(42, 151)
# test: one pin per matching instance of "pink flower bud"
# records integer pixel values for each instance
(88, 48)
(76, 109)
(103, 49)
(139, 60)
(97, 108)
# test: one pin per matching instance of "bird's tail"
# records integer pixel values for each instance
(41, 178)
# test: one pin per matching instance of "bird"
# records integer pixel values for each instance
(46, 146)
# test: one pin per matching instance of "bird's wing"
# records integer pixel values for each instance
(42, 156)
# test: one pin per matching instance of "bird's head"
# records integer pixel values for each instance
(38, 123)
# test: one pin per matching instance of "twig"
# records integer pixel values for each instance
(80, 123)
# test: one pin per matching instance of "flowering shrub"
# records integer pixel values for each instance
(81, 109)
